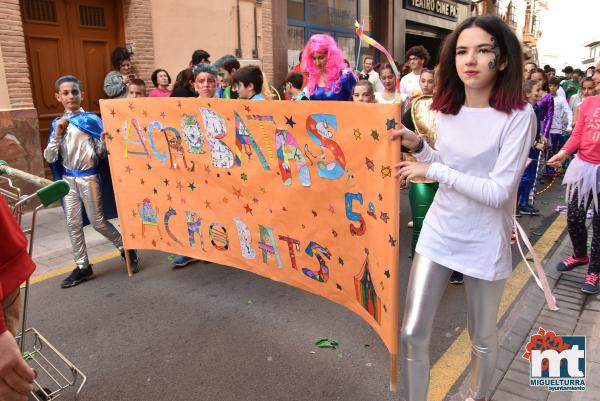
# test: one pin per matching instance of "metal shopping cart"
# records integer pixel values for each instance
(55, 373)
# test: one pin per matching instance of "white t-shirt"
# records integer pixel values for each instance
(380, 99)
(561, 111)
(373, 78)
(479, 162)
(409, 84)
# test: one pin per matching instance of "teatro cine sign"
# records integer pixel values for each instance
(438, 8)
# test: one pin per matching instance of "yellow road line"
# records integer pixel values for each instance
(66, 269)
(451, 365)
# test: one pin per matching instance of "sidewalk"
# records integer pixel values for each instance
(579, 314)
(51, 245)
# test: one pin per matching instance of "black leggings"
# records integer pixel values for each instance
(578, 232)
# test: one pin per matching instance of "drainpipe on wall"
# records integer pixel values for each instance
(238, 51)
(255, 50)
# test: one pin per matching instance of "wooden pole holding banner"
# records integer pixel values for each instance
(396, 157)
(128, 263)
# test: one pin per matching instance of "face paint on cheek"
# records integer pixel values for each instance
(75, 92)
(496, 50)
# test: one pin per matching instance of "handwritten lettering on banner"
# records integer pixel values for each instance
(299, 192)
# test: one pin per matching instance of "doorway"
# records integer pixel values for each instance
(69, 37)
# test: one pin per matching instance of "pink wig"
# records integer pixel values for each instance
(321, 43)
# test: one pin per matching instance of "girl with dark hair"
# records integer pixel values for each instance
(389, 94)
(116, 81)
(484, 131)
(184, 86)
(161, 80)
(545, 104)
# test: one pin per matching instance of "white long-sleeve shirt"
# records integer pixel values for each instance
(409, 85)
(561, 109)
(480, 158)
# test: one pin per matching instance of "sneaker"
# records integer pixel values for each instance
(78, 276)
(529, 211)
(590, 285)
(133, 257)
(410, 224)
(181, 261)
(572, 262)
(456, 278)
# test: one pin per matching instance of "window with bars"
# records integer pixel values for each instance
(39, 10)
(91, 16)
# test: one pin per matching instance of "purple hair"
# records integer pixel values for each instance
(321, 43)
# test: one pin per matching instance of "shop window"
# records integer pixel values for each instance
(337, 13)
(347, 44)
(295, 9)
(295, 44)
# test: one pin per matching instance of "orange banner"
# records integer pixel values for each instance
(298, 192)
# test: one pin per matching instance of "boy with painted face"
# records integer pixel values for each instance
(75, 149)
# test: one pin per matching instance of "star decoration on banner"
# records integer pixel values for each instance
(166, 182)
(314, 213)
(155, 190)
(290, 121)
(128, 169)
(207, 168)
(341, 261)
(169, 197)
(284, 209)
(144, 113)
(237, 192)
(163, 114)
(370, 164)
(386, 171)
(183, 201)
(384, 216)
(118, 130)
(179, 186)
(244, 176)
(247, 108)
(375, 134)
(131, 107)
(339, 287)
(132, 235)
(153, 242)
(149, 166)
(255, 200)
(385, 308)
(248, 209)
(392, 241)
(380, 197)
(225, 200)
(263, 190)
(387, 273)
(357, 134)
(334, 233)
(179, 103)
(391, 123)
(192, 186)
(381, 284)
(207, 204)
(331, 209)
(142, 182)
(112, 112)
(133, 212)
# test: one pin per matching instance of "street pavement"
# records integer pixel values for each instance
(208, 332)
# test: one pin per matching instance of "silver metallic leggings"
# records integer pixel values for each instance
(426, 286)
(86, 191)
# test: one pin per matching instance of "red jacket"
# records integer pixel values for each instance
(15, 263)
